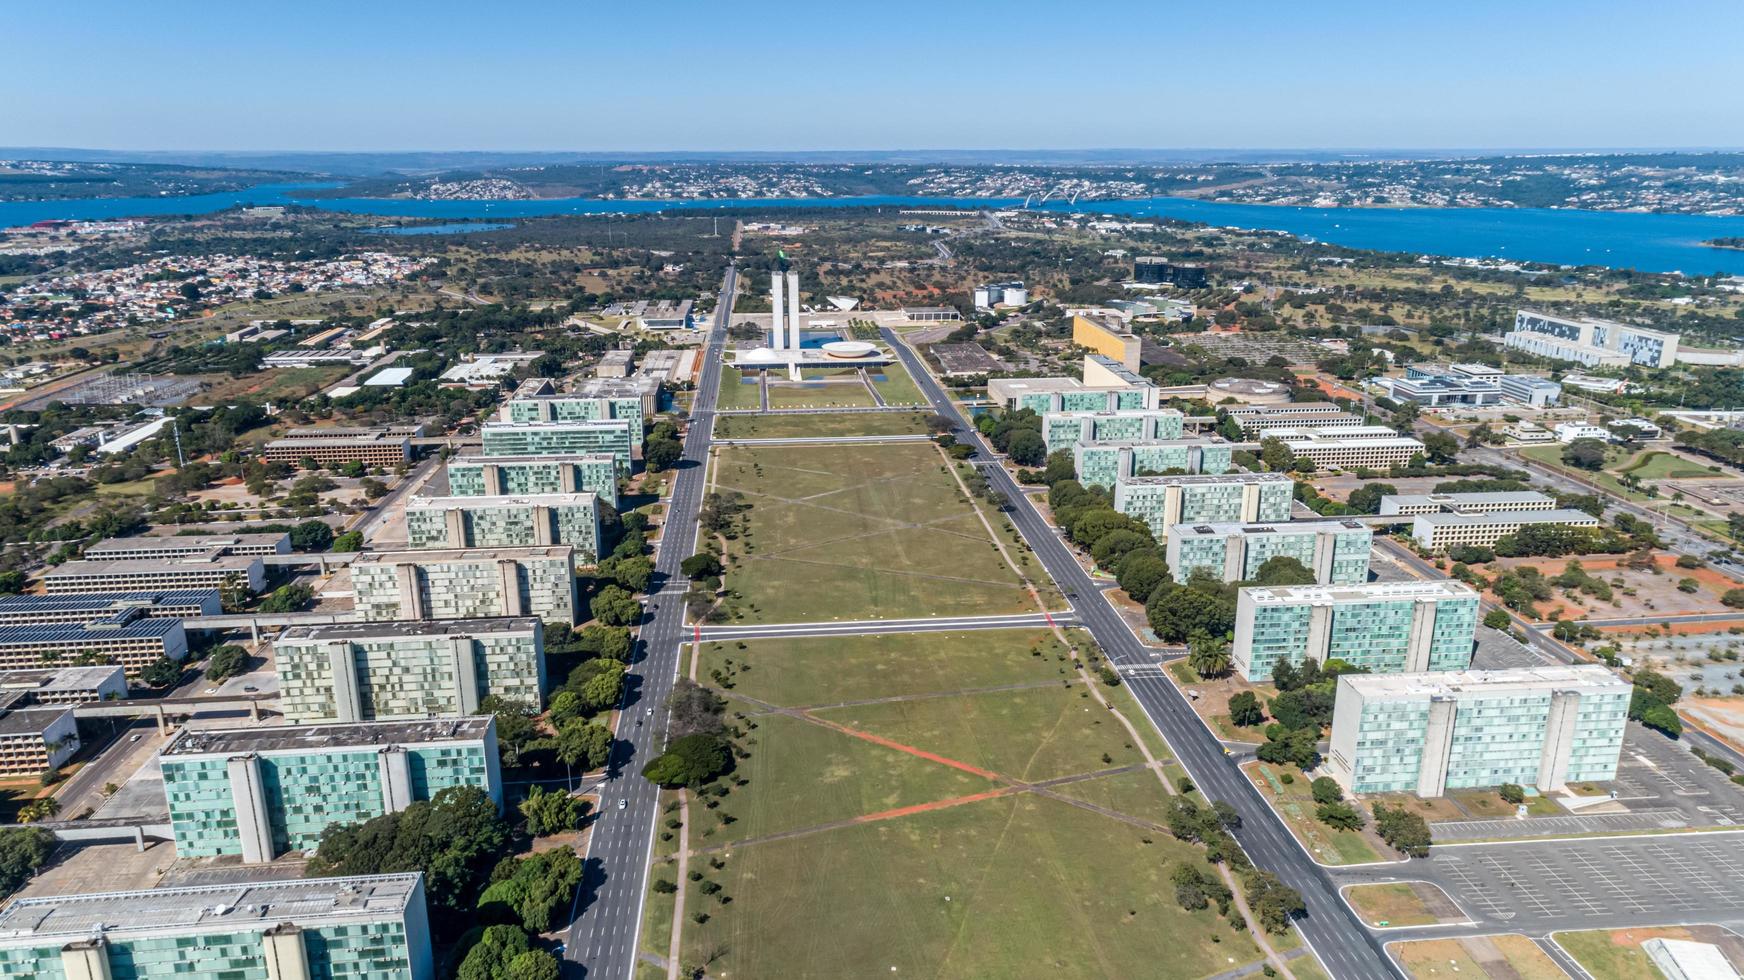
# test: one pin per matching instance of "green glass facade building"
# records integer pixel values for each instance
(1543, 727)
(1162, 501)
(261, 792)
(373, 927)
(380, 671)
(613, 437)
(1385, 627)
(506, 522)
(1101, 464)
(465, 584)
(1063, 430)
(1337, 552)
(501, 476)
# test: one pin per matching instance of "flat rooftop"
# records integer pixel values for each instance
(340, 431)
(476, 459)
(438, 627)
(1468, 499)
(188, 542)
(329, 442)
(1224, 529)
(1295, 408)
(33, 720)
(436, 556)
(101, 602)
(1205, 479)
(1563, 516)
(567, 424)
(1045, 386)
(1448, 683)
(304, 738)
(138, 627)
(134, 566)
(1145, 443)
(1291, 595)
(584, 498)
(246, 906)
(58, 678)
(1123, 413)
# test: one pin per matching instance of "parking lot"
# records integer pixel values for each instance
(1590, 883)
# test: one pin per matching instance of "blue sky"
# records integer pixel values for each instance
(615, 75)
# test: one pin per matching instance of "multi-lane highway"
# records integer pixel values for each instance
(602, 940)
(1348, 950)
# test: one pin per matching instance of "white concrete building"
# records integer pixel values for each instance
(1438, 532)
(1541, 727)
(1567, 432)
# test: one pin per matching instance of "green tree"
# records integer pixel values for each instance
(690, 761)
(661, 455)
(23, 852)
(1326, 790)
(583, 744)
(1027, 448)
(1276, 455)
(13, 582)
(1512, 793)
(489, 958)
(1245, 710)
(1339, 816)
(550, 813)
(534, 964)
(1273, 903)
(1282, 570)
(1440, 447)
(633, 573)
(1366, 499)
(1404, 831)
(311, 536)
(700, 566)
(615, 607)
(1208, 655)
(348, 542)
(1497, 619)
(453, 838)
(227, 661)
(161, 672)
(1140, 573)
(1587, 454)
(1177, 613)
(38, 810)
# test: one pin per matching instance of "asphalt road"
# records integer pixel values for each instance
(601, 941)
(1347, 949)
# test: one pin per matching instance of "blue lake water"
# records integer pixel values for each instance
(1651, 242)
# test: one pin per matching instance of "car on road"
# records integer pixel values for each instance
(622, 803)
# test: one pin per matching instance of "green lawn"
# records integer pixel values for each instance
(822, 424)
(848, 393)
(1551, 456)
(809, 671)
(1295, 804)
(1616, 955)
(1654, 465)
(866, 531)
(1013, 887)
(738, 389)
(1394, 903)
(897, 388)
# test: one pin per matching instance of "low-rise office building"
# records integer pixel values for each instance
(465, 584)
(1542, 727)
(283, 929)
(189, 546)
(126, 638)
(1567, 432)
(1161, 501)
(375, 447)
(506, 522)
(261, 792)
(1255, 419)
(1101, 464)
(1337, 552)
(83, 607)
(1438, 532)
(378, 671)
(1530, 390)
(499, 476)
(1369, 447)
(1385, 627)
(1591, 342)
(1063, 430)
(1409, 504)
(66, 685)
(34, 738)
(613, 437)
(147, 574)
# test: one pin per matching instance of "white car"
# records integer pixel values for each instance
(622, 803)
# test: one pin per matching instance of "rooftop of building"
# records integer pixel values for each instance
(542, 389)
(565, 424)
(1195, 479)
(134, 566)
(1467, 499)
(341, 431)
(1044, 386)
(1597, 321)
(98, 602)
(343, 735)
(32, 720)
(1372, 592)
(126, 625)
(246, 905)
(1223, 529)
(185, 542)
(436, 556)
(1561, 516)
(1117, 369)
(35, 679)
(1295, 408)
(1120, 413)
(1448, 683)
(577, 499)
(1143, 443)
(381, 437)
(475, 459)
(398, 629)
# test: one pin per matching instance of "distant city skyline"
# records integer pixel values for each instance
(445, 76)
